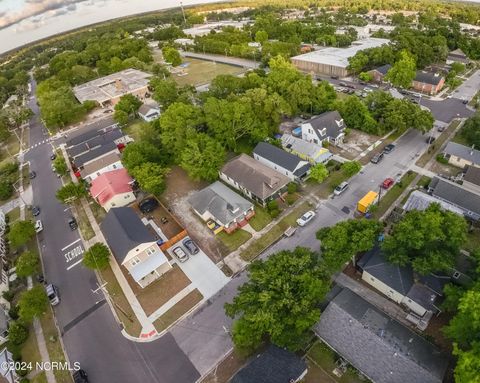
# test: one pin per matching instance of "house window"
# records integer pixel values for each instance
(456, 275)
(114, 166)
(150, 250)
(135, 261)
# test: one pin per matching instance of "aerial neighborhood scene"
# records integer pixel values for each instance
(248, 191)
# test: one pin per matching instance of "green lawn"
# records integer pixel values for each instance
(134, 128)
(275, 233)
(334, 179)
(83, 222)
(234, 240)
(261, 219)
(325, 358)
(473, 240)
(424, 181)
(393, 193)
(14, 215)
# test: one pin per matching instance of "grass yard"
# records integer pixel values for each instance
(98, 211)
(275, 233)
(122, 307)
(181, 308)
(198, 72)
(473, 240)
(435, 147)
(8, 149)
(134, 128)
(234, 240)
(14, 215)
(83, 222)
(54, 347)
(261, 219)
(30, 352)
(424, 181)
(334, 179)
(324, 358)
(25, 176)
(226, 369)
(40, 378)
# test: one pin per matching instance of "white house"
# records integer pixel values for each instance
(101, 165)
(283, 162)
(329, 127)
(149, 112)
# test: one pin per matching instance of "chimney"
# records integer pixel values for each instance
(118, 84)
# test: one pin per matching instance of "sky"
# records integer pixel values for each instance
(24, 21)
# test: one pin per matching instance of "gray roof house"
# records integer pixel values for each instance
(93, 129)
(133, 245)
(461, 155)
(472, 177)
(283, 162)
(149, 111)
(397, 283)
(457, 55)
(378, 346)
(254, 179)
(274, 365)
(418, 200)
(328, 126)
(219, 203)
(461, 196)
(309, 151)
(7, 374)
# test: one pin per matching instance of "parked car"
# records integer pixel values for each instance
(430, 139)
(342, 83)
(180, 254)
(38, 226)
(148, 205)
(32, 175)
(340, 188)
(465, 102)
(387, 183)
(387, 149)
(35, 211)
(377, 158)
(72, 222)
(334, 77)
(80, 376)
(306, 218)
(441, 128)
(53, 156)
(351, 86)
(52, 294)
(190, 246)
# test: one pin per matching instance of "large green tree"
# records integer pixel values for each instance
(403, 71)
(171, 56)
(27, 264)
(356, 115)
(151, 177)
(140, 152)
(202, 157)
(430, 240)
(318, 173)
(280, 300)
(32, 303)
(71, 192)
(97, 257)
(21, 232)
(341, 242)
(471, 130)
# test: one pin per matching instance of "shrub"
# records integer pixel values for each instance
(13, 312)
(274, 213)
(440, 158)
(290, 199)
(272, 205)
(17, 333)
(8, 295)
(6, 190)
(292, 188)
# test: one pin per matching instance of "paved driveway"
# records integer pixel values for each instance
(203, 273)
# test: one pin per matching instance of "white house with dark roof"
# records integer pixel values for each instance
(134, 246)
(397, 283)
(460, 155)
(219, 203)
(378, 346)
(328, 126)
(149, 111)
(283, 162)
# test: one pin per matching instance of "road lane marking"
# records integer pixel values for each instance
(75, 264)
(73, 243)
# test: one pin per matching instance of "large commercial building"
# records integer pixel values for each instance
(108, 90)
(334, 61)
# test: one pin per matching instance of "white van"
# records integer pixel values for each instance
(38, 226)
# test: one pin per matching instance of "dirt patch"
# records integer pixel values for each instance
(179, 189)
(355, 143)
(156, 294)
(226, 369)
(444, 169)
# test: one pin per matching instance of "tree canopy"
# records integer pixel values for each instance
(430, 240)
(27, 264)
(32, 303)
(471, 130)
(21, 232)
(97, 257)
(71, 192)
(318, 172)
(403, 71)
(280, 300)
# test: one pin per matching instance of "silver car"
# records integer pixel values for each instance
(340, 188)
(180, 254)
(52, 294)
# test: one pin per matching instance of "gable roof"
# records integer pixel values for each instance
(254, 176)
(472, 175)
(458, 52)
(463, 151)
(147, 107)
(94, 153)
(94, 142)
(222, 202)
(377, 345)
(456, 194)
(93, 130)
(308, 149)
(328, 121)
(124, 230)
(274, 365)
(428, 77)
(418, 200)
(400, 278)
(383, 69)
(100, 163)
(278, 156)
(109, 184)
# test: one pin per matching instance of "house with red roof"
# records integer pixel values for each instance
(113, 189)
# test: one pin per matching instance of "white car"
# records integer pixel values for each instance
(38, 226)
(340, 188)
(306, 218)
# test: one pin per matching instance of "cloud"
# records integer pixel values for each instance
(37, 7)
